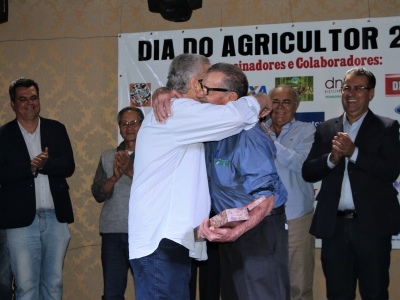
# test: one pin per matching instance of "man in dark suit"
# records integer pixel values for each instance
(357, 157)
(35, 207)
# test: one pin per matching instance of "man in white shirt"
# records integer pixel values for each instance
(293, 140)
(169, 194)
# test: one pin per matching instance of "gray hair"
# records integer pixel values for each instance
(183, 68)
(360, 71)
(296, 94)
(130, 108)
(234, 80)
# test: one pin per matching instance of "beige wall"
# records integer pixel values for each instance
(70, 48)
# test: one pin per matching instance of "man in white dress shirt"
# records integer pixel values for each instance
(169, 194)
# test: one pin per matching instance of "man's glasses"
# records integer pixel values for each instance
(285, 103)
(206, 90)
(356, 88)
(133, 123)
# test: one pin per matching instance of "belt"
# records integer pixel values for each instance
(348, 213)
(277, 211)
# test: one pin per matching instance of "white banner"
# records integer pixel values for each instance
(312, 57)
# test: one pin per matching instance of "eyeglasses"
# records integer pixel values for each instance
(133, 123)
(207, 90)
(356, 88)
(285, 103)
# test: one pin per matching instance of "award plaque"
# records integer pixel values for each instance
(230, 217)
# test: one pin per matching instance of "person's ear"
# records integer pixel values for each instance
(12, 105)
(233, 96)
(195, 85)
(371, 94)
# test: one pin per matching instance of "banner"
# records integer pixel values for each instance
(312, 57)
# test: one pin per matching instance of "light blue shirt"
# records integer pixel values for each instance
(346, 195)
(293, 145)
(241, 168)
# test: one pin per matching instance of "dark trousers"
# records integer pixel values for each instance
(209, 275)
(350, 254)
(115, 261)
(6, 277)
(256, 265)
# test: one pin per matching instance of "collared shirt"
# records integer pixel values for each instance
(44, 199)
(241, 168)
(346, 195)
(293, 145)
(169, 194)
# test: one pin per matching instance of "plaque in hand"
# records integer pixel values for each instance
(230, 217)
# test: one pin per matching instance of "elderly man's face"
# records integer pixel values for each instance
(214, 80)
(285, 106)
(129, 132)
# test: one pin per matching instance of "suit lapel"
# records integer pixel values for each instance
(44, 128)
(19, 140)
(338, 127)
(362, 134)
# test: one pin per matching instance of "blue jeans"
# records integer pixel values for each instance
(5, 269)
(115, 262)
(37, 256)
(164, 274)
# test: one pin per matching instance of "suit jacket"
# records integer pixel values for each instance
(17, 188)
(371, 176)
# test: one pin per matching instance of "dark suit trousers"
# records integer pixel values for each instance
(350, 255)
(256, 265)
(209, 275)
(115, 262)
